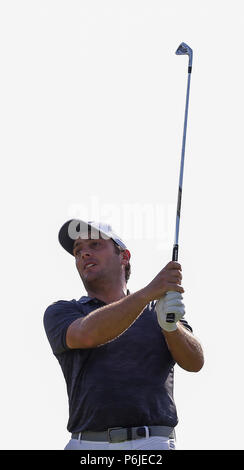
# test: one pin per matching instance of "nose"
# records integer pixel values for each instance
(85, 253)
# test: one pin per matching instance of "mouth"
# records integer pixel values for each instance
(89, 265)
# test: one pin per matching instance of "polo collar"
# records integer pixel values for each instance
(85, 299)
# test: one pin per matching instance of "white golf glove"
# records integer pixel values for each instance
(170, 303)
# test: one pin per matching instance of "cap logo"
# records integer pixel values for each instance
(78, 229)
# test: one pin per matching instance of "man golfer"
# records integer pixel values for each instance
(116, 349)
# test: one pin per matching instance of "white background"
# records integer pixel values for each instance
(92, 107)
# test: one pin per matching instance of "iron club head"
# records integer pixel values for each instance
(184, 49)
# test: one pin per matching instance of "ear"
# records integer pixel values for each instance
(125, 257)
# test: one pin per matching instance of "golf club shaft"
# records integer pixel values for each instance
(177, 224)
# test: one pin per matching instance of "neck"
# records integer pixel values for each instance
(108, 294)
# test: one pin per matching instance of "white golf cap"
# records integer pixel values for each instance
(76, 228)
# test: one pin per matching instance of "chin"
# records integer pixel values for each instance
(90, 277)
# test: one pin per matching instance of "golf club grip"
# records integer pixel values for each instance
(171, 316)
(175, 252)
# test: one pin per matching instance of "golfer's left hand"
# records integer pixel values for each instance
(170, 303)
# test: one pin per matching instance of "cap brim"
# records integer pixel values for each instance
(64, 238)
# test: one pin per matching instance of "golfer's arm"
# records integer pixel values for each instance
(106, 323)
(185, 348)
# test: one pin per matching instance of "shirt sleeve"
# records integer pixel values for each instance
(57, 319)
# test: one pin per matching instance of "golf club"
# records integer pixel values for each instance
(183, 49)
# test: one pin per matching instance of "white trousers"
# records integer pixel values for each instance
(147, 443)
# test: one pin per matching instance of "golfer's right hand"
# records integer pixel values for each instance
(169, 279)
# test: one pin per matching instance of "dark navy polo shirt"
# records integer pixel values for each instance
(125, 382)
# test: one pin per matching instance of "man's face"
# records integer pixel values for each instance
(96, 260)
